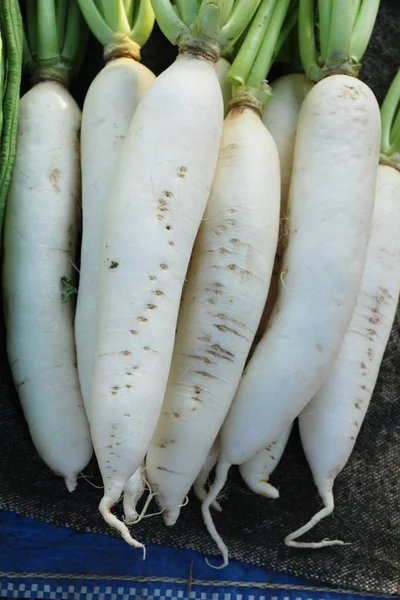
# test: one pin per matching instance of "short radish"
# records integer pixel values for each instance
(153, 213)
(330, 206)
(39, 251)
(330, 423)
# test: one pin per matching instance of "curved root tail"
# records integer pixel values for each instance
(220, 478)
(105, 509)
(325, 512)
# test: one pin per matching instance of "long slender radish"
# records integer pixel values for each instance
(227, 286)
(40, 244)
(256, 471)
(330, 423)
(153, 213)
(330, 204)
(280, 116)
(107, 113)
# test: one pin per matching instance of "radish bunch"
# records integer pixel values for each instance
(239, 257)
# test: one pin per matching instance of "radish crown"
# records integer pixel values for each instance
(54, 40)
(121, 26)
(390, 115)
(212, 24)
(344, 30)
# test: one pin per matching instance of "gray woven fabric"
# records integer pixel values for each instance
(367, 493)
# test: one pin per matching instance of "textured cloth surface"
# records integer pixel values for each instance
(367, 493)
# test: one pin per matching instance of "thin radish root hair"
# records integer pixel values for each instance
(105, 510)
(329, 505)
(221, 474)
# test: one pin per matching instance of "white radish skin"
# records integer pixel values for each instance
(330, 204)
(330, 423)
(133, 491)
(226, 289)
(222, 67)
(257, 471)
(40, 245)
(280, 117)
(199, 486)
(107, 114)
(109, 106)
(157, 200)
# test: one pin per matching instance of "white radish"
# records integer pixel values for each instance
(280, 117)
(256, 471)
(107, 113)
(155, 206)
(227, 285)
(330, 423)
(40, 244)
(133, 491)
(330, 206)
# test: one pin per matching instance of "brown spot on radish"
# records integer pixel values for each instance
(222, 350)
(206, 374)
(112, 435)
(193, 409)
(273, 457)
(113, 393)
(225, 317)
(115, 387)
(374, 320)
(160, 217)
(196, 399)
(162, 202)
(171, 243)
(357, 405)
(205, 338)
(363, 365)
(231, 223)
(152, 277)
(370, 354)
(158, 293)
(210, 301)
(182, 172)
(127, 415)
(176, 415)
(203, 359)
(135, 368)
(128, 386)
(151, 306)
(168, 194)
(219, 355)
(232, 211)
(197, 389)
(220, 229)
(162, 444)
(114, 264)
(226, 329)
(133, 332)
(168, 227)
(224, 251)
(148, 349)
(363, 387)
(20, 384)
(142, 319)
(167, 470)
(352, 437)
(164, 267)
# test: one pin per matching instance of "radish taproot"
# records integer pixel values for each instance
(41, 227)
(330, 423)
(153, 212)
(108, 109)
(227, 285)
(330, 206)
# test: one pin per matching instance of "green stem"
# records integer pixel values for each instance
(242, 64)
(31, 31)
(169, 21)
(61, 16)
(263, 62)
(73, 32)
(356, 8)
(362, 29)
(129, 9)
(96, 22)
(241, 16)
(115, 16)
(324, 11)
(144, 23)
(340, 32)
(48, 47)
(227, 7)
(307, 46)
(389, 109)
(207, 21)
(285, 41)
